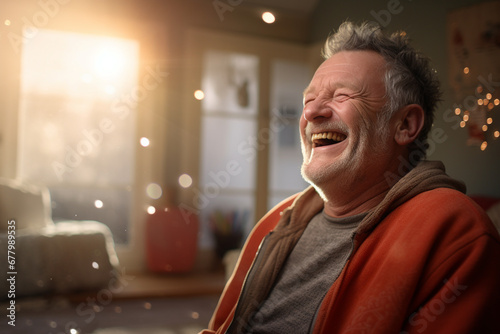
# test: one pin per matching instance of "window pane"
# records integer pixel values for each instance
(230, 83)
(287, 84)
(228, 152)
(77, 121)
(228, 140)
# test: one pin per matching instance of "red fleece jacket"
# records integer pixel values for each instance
(431, 265)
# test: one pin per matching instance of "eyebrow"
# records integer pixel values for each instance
(338, 85)
(307, 90)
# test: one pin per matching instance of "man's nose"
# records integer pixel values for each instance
(315, 110)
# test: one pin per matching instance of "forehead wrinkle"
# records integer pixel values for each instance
(329, 73)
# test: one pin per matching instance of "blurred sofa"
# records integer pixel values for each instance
(48, 257)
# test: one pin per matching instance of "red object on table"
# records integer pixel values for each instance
(171, 240)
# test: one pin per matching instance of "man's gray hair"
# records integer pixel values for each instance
(409, 78)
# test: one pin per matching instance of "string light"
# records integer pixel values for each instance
(481, 115)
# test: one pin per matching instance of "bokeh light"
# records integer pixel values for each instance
(268, 17)
(144, 142)
(199, 94)
(154, 191)
(185, 181)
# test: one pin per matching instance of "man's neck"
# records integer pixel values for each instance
(339, 205)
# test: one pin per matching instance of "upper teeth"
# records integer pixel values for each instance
(329, 135)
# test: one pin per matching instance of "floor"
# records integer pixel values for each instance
(138, 303)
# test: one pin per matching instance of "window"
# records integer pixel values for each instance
(288, 81)
(229, 123)
(243, 118)
(77, 124)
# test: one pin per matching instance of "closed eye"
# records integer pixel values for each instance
(306, 101)
(341, 97)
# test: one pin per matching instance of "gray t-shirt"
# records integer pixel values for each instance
(312, 267)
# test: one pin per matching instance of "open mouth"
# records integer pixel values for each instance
(327, 138)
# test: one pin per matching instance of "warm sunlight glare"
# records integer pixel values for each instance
(109, 62)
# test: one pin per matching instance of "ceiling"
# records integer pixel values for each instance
(302, 6)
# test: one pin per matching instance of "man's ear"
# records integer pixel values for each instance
(409, 123)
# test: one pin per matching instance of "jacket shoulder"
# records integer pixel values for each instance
(449, 205)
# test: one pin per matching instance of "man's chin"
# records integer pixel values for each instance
(329, 177)
(315, 177)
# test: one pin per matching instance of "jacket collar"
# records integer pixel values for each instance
(427, 175)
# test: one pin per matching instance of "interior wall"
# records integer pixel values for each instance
(425, 22)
